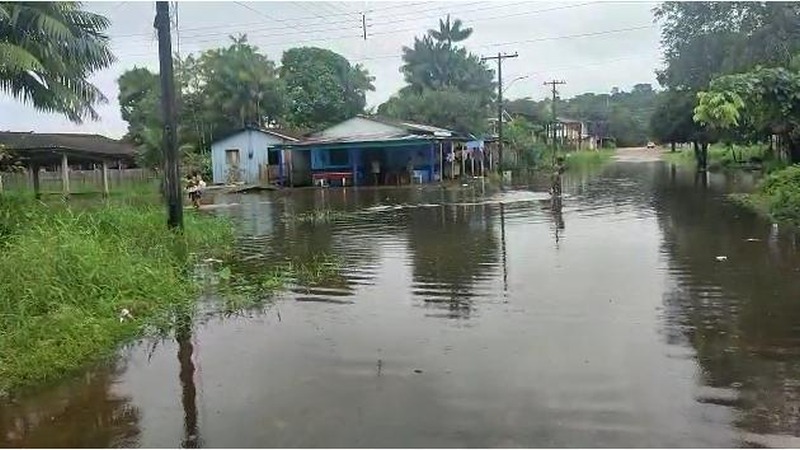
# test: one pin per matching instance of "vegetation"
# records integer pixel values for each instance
(47, 52)
(777, 196)
(322, 88)
(69, 274)
(446, 85)
(704, 45)
(224, 89)
(623, 116)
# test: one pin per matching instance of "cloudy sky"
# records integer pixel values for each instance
(593, 46)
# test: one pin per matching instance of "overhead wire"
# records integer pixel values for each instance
(357, 26)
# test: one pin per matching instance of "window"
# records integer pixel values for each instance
(273, 157)
(232, 157)
(339, 157)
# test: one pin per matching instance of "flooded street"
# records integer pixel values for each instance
(467, 320)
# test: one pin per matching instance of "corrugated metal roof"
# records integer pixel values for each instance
(89, 144)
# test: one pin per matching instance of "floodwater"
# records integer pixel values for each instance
(462, 320)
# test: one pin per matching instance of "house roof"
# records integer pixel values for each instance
(411, 126)
(401, 132)
(279, 133)
(46, 146)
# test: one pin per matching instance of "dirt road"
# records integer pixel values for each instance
(638, 154)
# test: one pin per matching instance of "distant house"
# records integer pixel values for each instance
(572, 133)
(348, 153)
(244, 156)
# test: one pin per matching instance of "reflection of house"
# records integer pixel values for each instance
(369, 150)
(243, 156)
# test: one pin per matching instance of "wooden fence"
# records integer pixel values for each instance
(79, 180)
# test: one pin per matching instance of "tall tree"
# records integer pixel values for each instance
(241, 85)
(450, 32)
(47, 52)
(436, 70)
(322, 87)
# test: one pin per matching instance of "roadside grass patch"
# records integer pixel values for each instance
(777, 196)
(66, 275)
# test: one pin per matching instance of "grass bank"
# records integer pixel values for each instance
(587, 159)
(723, 157)
(67, 273)
(777, 196)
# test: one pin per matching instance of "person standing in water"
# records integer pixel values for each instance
(559, 169)
(376, 171)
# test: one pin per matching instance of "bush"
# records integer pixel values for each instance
(781, 190)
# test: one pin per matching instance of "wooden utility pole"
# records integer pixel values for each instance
(500, 57)
(170, 143)
(553, 84)
(364, 25)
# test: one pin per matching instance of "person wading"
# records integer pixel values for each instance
(555, 189)
(376, 171)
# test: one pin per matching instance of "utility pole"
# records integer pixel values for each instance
(553, 84)
(364, 25)
(170, 143)
(500, 57)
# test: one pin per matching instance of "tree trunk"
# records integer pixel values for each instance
(672, 147)
(701, 155)
(794, 150)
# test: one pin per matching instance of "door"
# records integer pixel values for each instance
(232, 160)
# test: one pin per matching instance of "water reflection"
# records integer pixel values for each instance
(83, 412)
(741, 315)
(183, 336)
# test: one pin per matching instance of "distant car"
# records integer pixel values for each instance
(651, 145)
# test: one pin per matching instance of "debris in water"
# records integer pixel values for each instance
(417, 370)
(753, 240)
(212, 260)
(722, 258)
(124, 314)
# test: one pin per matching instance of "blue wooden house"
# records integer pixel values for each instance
(370, 150)
(244, 156)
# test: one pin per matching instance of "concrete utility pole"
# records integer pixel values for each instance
(500, 57)
(553, 84)
(171, 160)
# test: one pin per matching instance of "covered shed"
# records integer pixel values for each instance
(37, 150)
(371, 150)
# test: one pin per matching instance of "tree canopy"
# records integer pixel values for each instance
(437, 70)
(48, 50)
(322, 87)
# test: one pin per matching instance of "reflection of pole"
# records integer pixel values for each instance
(188, 391)
(558, 218)
(503, 247)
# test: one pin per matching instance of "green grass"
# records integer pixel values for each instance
(720, 156)
(584, 159)
(67, 272)
(777, 196)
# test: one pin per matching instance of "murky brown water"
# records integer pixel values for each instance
(461, 320)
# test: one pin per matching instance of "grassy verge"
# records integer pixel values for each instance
(723, 157)
(66, 274)
(777, 196)
(586, 159)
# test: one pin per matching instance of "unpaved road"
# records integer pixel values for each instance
(638, 154)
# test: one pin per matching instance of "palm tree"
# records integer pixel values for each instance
(449, 33)
(47, 52)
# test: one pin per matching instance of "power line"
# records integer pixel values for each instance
(487, 46)
(336, 25)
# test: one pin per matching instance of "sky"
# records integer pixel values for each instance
(593, 46)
